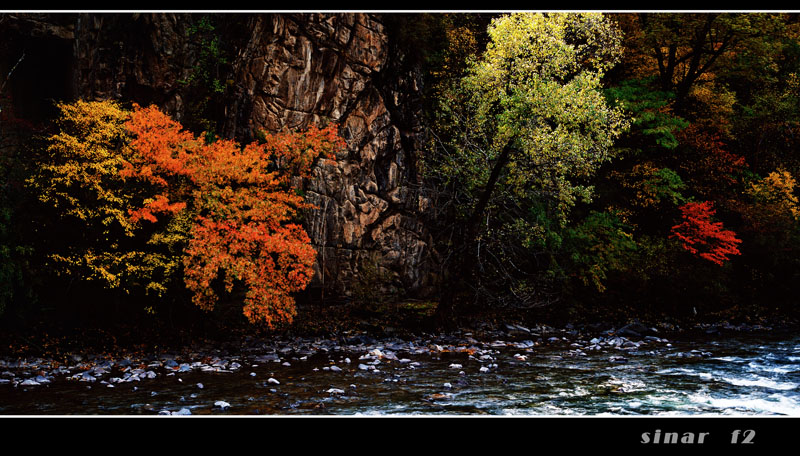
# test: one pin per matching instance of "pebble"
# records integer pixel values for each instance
(335, 391)
(200, 385)
(273, 381)
(436, 396)
(222, 404)
(336, 368)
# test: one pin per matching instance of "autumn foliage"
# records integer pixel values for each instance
(703, 237)
(243, 230)
(230, 210)
(773, 206)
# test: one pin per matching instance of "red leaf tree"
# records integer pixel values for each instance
(704, 238)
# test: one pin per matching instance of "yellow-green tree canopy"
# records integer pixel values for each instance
(533, 107)
(526, 124)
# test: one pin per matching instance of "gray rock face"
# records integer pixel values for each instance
(288, 71)
(301, 69)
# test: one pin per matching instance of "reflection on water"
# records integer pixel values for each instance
(732, 375)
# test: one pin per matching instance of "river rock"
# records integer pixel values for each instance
(86, 376)
(222, 404)
(635, 329)
(266, 358)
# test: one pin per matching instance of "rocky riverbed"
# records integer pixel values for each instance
(633, 369)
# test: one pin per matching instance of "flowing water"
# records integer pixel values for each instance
(731, 374)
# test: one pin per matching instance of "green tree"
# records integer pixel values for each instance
(600, 244)
(207, 79)
(682, 49)
(525, 127)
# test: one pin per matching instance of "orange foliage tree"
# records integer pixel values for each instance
(243, 225)
(243, 201)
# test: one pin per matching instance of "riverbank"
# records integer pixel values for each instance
(56, 339)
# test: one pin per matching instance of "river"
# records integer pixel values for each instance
(559, 372)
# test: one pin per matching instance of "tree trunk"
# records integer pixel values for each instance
(463, 267)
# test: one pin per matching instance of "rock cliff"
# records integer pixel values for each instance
(282, 71)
